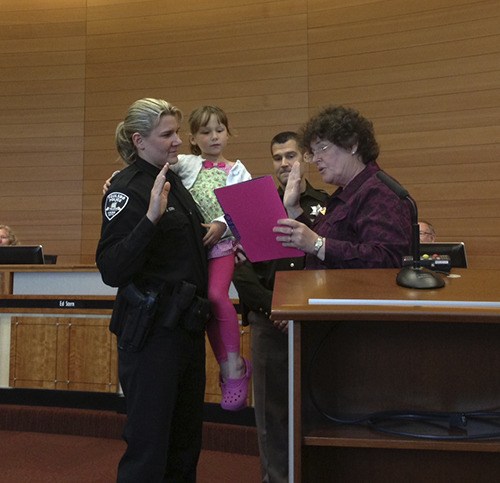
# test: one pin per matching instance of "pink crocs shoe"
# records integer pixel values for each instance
(235, 391)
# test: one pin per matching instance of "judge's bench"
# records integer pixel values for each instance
(391, 383)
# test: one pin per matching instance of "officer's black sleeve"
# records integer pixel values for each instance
(122, 249)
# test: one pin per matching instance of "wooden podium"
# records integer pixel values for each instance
(361, 344)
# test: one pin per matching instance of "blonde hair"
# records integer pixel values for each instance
(142, 117)
(200, 117)
(12, 236)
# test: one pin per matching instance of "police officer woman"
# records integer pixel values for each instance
(151, 249)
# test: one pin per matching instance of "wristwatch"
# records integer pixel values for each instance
(318, 244)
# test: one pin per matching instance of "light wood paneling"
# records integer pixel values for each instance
(63, 353)
(80, 354)
(33, 353)
(427, 74)
(249, 58)
(42, 86)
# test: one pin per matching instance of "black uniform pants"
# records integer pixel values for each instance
(164, 386)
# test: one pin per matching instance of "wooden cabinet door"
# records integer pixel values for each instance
(74, 353)
(80, 354)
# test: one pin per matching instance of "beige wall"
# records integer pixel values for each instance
(427, 73)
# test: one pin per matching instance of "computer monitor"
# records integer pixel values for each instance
(21, 254)
(455, 250)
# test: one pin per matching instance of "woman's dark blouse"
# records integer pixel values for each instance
(366, 225)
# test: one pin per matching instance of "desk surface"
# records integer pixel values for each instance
(368, 294)
(52, 280)
(48, 268)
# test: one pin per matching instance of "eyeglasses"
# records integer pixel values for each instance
(426, 233)
(320, 150)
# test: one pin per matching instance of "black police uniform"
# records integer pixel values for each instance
(163, 380)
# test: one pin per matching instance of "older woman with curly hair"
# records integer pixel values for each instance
(365, 224)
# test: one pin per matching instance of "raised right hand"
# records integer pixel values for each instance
(158, 201)
(291, 198)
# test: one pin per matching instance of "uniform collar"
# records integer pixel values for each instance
(149, 168)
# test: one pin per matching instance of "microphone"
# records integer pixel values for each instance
(415, 276)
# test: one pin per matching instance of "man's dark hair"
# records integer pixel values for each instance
(283, 137)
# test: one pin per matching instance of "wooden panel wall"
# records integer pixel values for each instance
(248, 57)
(42, 93)
(77, 354)
(427, 74)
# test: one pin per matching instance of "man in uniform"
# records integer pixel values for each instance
(269, 341)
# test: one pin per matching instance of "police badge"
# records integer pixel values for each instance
(115, 203)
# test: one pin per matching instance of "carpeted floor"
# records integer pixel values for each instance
(59, 458)
(57, 445)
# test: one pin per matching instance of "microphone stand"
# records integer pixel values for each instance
(414, 276)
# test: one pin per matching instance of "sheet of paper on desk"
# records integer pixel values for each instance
(252, 209)
(406, 303)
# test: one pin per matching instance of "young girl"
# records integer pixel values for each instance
(202, 172)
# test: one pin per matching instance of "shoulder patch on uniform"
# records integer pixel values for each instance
(115, 203)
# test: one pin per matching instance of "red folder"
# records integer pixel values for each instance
(252, 209)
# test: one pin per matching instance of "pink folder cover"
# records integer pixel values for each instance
(252, 209)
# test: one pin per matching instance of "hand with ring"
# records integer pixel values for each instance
(292, 233)
(285, 233)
